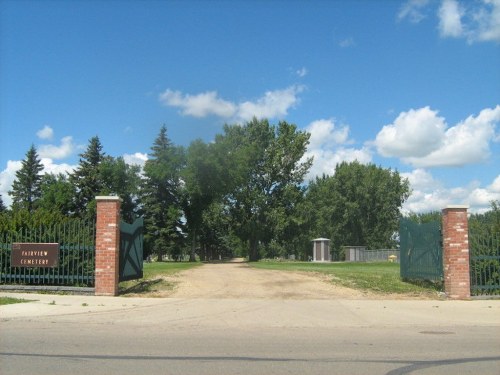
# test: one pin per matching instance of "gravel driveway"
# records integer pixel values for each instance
(237, 279)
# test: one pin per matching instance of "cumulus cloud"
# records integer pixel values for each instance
(199, 105)
(450, 19)
(65, 149)
(137, 158)
(8, 175)
(474, 21)
(413, 133)
(328, 145)
(429, 194)
(487, 22)
(46, 133)
(421, 138)
(271, 105)
(413, 10)
(50, 167)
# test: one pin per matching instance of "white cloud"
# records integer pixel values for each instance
(413, 10)
(347, 42)
(8, 175)
(413, 133)
(137, 158)
(50, 167)
(420, 138)
(325, 132)
(65, 149)
(327, 146)
(450, 19)
(429, 194)
(302, 72)
(474, 21)
(45, 133)
(487, 21)
(200, 105)
(271, 105)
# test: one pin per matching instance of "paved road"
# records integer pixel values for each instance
(100, 335)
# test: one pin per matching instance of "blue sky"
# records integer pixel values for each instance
(410, 85)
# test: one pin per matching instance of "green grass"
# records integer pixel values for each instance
(11, 300)
(153, 277)
(380, 277)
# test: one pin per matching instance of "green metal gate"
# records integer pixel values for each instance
(76, 263)
(131, 250)
(421, 255)
(484, 262)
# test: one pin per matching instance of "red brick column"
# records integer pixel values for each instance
(107, 247)
(456, 252)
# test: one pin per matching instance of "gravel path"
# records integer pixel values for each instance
(238, 280)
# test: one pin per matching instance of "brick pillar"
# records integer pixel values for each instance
(456, 252)
(107, 247)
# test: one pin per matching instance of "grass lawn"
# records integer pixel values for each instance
(153, 280)
(380, 277)
(11, 300)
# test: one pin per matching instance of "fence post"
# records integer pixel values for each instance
(456, 252)
(107, 246)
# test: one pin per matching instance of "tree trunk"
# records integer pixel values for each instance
(253, 252)
(192, 255)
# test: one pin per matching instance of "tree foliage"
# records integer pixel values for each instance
(58, 194)
(242, 194)
(359, 205)
(26, 188)
(87, 179)
(263, 171)
(160, 197)
(2, 205)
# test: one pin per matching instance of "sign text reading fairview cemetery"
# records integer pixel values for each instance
(34, 255)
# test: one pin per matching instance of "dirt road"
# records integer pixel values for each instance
(238, 280)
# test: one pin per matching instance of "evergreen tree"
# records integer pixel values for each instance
(121, 179)
(160, 197)
(26, 187)
(2, 205)
(87, 178)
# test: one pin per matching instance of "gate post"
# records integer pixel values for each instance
(456, 252)
(107, 246)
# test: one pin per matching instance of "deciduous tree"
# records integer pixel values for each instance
(359, 205)
(263, 173)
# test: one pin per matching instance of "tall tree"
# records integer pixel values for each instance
(264, 170)
(358, 205)
(26, 187)
(87, 178)
(57, 194)
(121, 179)
(2, 205)
(160, 196)
(201, 187)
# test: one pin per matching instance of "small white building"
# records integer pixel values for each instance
(321, 250)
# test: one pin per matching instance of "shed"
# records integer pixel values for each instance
(354, 253)
(321, 250)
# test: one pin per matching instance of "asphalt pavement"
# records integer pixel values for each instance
(61, 334)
